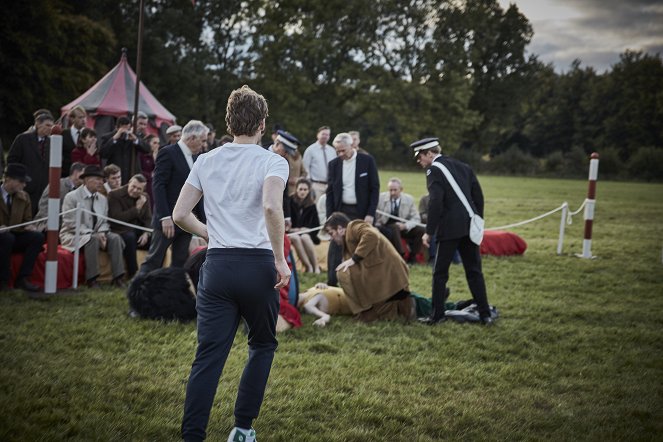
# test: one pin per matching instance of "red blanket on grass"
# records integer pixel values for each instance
(501, 243)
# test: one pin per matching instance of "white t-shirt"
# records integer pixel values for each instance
(231, 179)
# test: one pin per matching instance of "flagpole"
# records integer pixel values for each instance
(139, 61)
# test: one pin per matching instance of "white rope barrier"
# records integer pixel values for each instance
(34, 221)
(570, 215)
(117, 221)
(527, 221)
(301, 232)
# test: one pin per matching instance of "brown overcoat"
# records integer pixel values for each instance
(379, 275)
(21, 211)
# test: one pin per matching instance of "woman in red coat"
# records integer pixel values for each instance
(86, 150)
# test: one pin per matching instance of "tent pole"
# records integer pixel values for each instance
(139, 61)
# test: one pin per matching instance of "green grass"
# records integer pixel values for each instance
(577, 353)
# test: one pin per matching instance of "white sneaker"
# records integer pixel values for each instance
(241, 435)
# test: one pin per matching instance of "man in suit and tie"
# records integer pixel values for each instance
(94, 234)
(353, 189)
(173, 164)
(32, 150)
(77, 120)
(401, 205)
(15, 209)
(449, 221)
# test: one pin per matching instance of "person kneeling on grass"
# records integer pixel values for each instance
(373, 274)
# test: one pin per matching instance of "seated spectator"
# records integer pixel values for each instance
(86, 150)
(373, 276)
(15, 209)
(304, 216)
(131, 204)
(66, 185)
(147, 162)
(401, 205)
(94, 234)
(112, 179)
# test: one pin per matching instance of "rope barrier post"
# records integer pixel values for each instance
(77, 236)
(589, 208)
(562, 227)
(53, 223)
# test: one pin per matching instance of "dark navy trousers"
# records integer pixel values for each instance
(471, 256)
(234, 284)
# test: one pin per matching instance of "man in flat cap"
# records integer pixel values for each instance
(94, 234)
(449, 220)
(15, 208)
(174, 133)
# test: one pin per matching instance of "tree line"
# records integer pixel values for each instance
(396, 70)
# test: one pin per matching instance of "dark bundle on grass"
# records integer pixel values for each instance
(163, 294)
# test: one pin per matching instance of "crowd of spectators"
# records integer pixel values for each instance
(134, 176)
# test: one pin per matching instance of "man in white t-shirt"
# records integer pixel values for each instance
(245, 265)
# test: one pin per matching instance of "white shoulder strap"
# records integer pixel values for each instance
(454, 186)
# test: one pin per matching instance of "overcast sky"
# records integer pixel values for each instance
(594, 31)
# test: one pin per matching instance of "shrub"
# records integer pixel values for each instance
(471, 157)
(610, 165)
(646, 164)
(514, 162)
(554, 163)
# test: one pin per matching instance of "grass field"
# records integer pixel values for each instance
(576, 355)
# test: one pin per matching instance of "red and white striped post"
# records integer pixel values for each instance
(589, 206)
(53, 223)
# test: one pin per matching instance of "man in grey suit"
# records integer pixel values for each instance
(95, 231)
(400, 204)
(67, 184)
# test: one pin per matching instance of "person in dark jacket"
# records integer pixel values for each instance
(15, 209)
(304, 216)
(121, 147)
(131, 204)
(353, 188)
(449, 221)
(32, 149)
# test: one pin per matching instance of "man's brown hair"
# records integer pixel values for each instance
(111, 169)
(245, 110)
(337, 219)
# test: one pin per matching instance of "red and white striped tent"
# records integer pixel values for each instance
(113, 96)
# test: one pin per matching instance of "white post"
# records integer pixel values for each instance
(77, 237)
(562, 227)
(589, 207)
(53, 223)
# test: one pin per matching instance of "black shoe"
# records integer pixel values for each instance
(26, 285)
(119, 282)
(432, 320)
(93, 284)
(487, 321)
